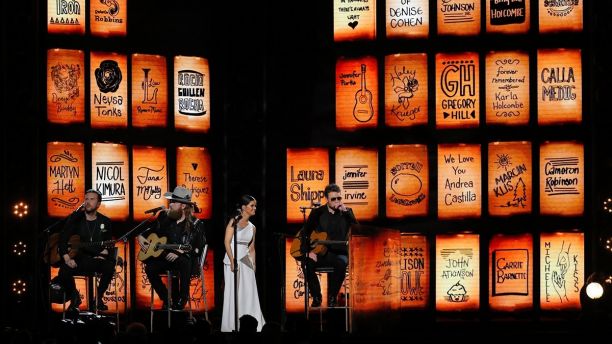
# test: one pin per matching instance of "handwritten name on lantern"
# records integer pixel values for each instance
(65, 86)
(110, 168)
(66, 16)
(108, 18)
(406, 90)
(294, 282)
(560, 15)
(194, 172)
(108, 90)
(149, 91)
(65, 177)
(307, 176)
(407, 19)
(414, 271)
(457, 90)
(191, 93)
(507, 77)
(150, 182)
(356, 93)
(510, 178)
(561, 270)
(559, 86)
(407, 181)
(458, 17)
(195, 286)
(357, 175)
(459, 181)
(511, 266)
(562, 178)
(507, 16)
(354, 19)
(457, 272)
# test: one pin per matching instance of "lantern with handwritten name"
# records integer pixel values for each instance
(150, 182)
(65, 86)
(458, 17)
(194, 172)
(459, 181)
(561, 270)
(414, 271)
(507, 83)
(66, 16)
(510, 178)
(558, 16)
(357, 176)
(406, 90)
(307, 176)
(294, 282)
(507, 16)
(457, 90)
(355, 20)
(562, 178)
(559, 86)
(191, 94)
(407, 181)
(108, 79)
(356, 93)
(407, 19)
(108, 18)
(195, 288)
(81, 286)
(511, 266)
(457, 272)
(120, 288)
(110, 173)
(149, 91)
(65, 177)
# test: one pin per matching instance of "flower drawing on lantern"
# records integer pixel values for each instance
(113, 6)
(404, 85)
(457, 293)
(108, 76)
(65, 79)
(558, 275)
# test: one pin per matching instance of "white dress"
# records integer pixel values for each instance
(248, 298)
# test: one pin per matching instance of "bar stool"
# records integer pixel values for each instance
(345, 285)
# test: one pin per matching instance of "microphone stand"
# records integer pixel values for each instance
(235, 263)
(304, 249)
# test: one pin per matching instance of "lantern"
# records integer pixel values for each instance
(557, 16)
(406, 90)
(195, 287)
(307, 176)
(108, 18)
(353, 21)
(459, 189)
(65, 86)
(458, 17)
(110, 171)
(507, 16)
(294, 282)
(407, 19)
(457, 90)
(191, 94)
(150, 179)
(507, 77)
(510, 178)
(407, 182)
(414, 271)
(562, 178)
(149, 91)
(108, 90)
(65, 177)
(66, 16)
(511, 266)
(561, 270)
(120, 284)
(457, 272)
(356, 93)
(357, 175)
(194, 172)
(559, 86)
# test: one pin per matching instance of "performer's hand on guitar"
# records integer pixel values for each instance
(312, 256)
(144, 244)
(69, 261)
(171, 257)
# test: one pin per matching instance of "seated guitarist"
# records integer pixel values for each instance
(91, 227)
(334, 218)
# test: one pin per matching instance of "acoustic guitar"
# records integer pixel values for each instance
(157, 245)
(53, 257)
(363, 110)
(318, 240)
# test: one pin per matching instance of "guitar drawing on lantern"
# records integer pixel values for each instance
(363, 110)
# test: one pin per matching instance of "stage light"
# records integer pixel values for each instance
(19, 287)
(20, 209)
(607, 205)
(594, 290)
(596, 296)
(19, 248)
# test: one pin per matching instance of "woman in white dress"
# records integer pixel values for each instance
(248, 298)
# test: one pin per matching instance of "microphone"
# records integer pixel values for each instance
(154, 210)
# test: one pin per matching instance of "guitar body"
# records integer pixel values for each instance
(363, 110)
(315, 236)
(52, 255)
(153, 250)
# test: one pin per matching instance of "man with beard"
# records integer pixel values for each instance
(178, 225)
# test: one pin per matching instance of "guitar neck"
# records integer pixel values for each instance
(363, 79)
(93, 244)
(173, 247)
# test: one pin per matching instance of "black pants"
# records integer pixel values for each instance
(156, 266)
(334, 279)
(87, 266)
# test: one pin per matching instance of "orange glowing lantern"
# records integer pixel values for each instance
(510, 178)
(457, 90)
(459, 17)
(507, 77)
(108, 18)
(356, 93)
(65, 177)
(406, 90)
(561, 270)
(149, 91)
(119, 288)
(507, 16)
(307, 176)
(150, 173)
(294, 282)
(195, 288)
(511, 266)
(65, 86)
(110, 171)
(459, 188)
(457, 272)
(357, 175)
(191, 93)
(407, 19)
(414, 271)
(194, 172)
(407, 183)
(108, 90)
(559, 86)
(562, 178)
(353, 21)
(66, 16)
(557, 16)
(81, 286)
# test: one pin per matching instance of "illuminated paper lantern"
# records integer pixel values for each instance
(195, 288)
(562, 178)
(150, 173)
(414, 271)
(194, 172)
(407, 183)
(406, 90)
(458, 17)
(294, 282)
(81, 286)
(457, 90)
(356, 93)
(357, 176)
(108, 18)
(561, 270)
(556, 16)
(108, 90)
(149, 91)
(407, 19)
(65, 177)
(559, 86)
(110, 172)
(354, 20)
(459, 188)
(507, 78)
(66, 16)
(510, 178)
(65, 86)
(191, 94)
(511, 266)
(120, 284)
(457, 272)
(508, 16)
(307, 176)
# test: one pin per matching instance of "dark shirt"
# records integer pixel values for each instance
(336, 226)
(88, 231)
(177, 232)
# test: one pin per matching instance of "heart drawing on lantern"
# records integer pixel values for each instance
(353, 24)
